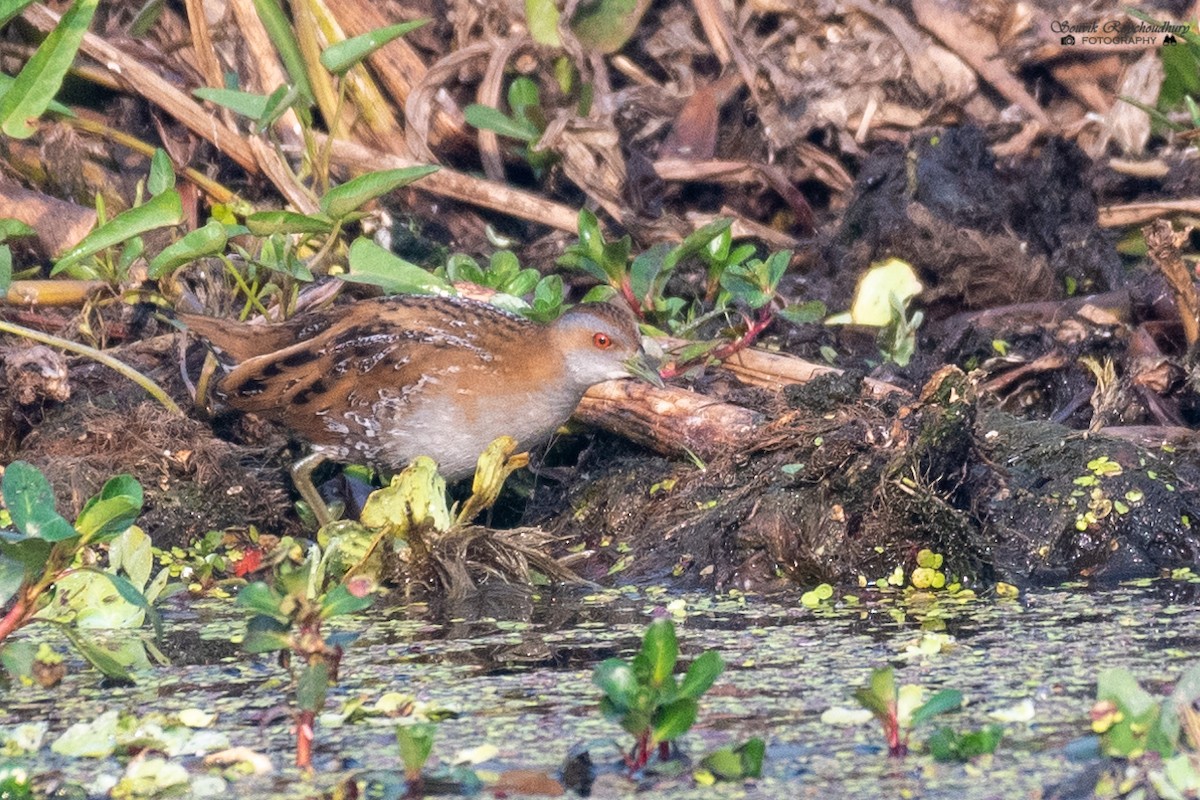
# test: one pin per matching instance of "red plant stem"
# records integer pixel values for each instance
(631, 298)
(13, 619)
(753, 330)
(664, 751)
(304, 739)
(641, 752)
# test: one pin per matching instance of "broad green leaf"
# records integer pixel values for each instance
(942, 702)
(736, 763)
(615, 678)
(269, 223)
(42, 76)
(278, 103)
(341, 201)
(31, 554)
(776, 266)
(699, 240)
(1185, 695)
(249, 105)
(95, 739)
(162, 173)
(12, 575)
(14, 229)
(16, 658)
(5, 269)
(524, 99)
(701, 674)
(1120, 686)
(9, 9)
(132, 595)
(416, 743)
(339, 601)
(283, 36)
(606, 25)
(265, 634)
(724, 763)
(541, 17)
(752, 751)
(6, 82)
(261, 599)
(207, 241)
(946, 745)
(879, 697)
(491, 119)
(30, 502)
(674, 720)
(162, 211)
(804, 313)
(112, 511)
(645, 269)
(97, 657)
(340, 57)
(661, 649)
(371, 264)
(312, 686)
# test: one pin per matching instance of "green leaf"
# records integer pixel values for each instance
(162, 173)
(701, 674)
(736, 763)
(615, 678)
(646, 268)
(113, 510)
(207, 241)
(753, 751)
(879, 697)
(261, 599)
(804, 313)
(98, 658)
(724, 763)
(14, 229)
(162, 211)
(42, 76)
(525, 99)
(944, 701)
(946, 745)
(282, 35)
(10, 9)
(416, 743)
(661, 649)
(311, 686)
(12, 575)
(339, 601)
(130, 594)
(606, 25)
(699, 240)
(5, 269)
(269, 223)
(252, 106)
(341, 201)
(541, 17)
(491, 119)
(30, 502)
(16, 658)
(278, 103)
(340, 57)
(674, 720)
(265, 634)
(371, 264)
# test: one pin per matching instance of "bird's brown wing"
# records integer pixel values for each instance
(240, 341)
(377, 350)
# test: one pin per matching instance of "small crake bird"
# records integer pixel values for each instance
(383, 381)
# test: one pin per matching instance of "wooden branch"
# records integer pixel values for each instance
(671, 421)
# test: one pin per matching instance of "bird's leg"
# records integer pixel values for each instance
(302, 472)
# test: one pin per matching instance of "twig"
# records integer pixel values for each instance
(1163, 244)
(152, 388)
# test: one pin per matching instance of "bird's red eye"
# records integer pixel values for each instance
(602, 341)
